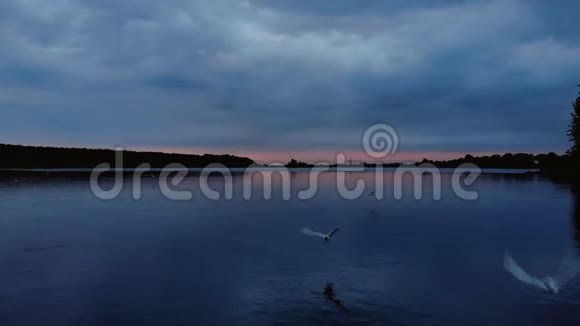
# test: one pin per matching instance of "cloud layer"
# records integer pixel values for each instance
(458, 76)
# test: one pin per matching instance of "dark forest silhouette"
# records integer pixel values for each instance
(298, 164)
(574, 130)
(31, 157)
(565, 168)
(504, 161)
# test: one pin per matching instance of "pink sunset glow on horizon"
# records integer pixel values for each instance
(319, 156)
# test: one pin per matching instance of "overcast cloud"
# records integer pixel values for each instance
(464, 76)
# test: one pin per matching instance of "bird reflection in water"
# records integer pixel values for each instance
(330, 295)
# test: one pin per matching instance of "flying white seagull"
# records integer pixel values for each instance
(566, 273)
(318, 234)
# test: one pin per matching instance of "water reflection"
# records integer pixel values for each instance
(576, 214)
(244, 262)
(330, 295)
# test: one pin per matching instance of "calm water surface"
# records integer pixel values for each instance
(68, 258)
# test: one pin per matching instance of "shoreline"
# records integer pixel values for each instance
(126, 172)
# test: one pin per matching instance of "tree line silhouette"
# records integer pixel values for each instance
(33, 157)
(565, 167)
(505, 161)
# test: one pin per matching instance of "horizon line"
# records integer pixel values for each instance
(281, 156)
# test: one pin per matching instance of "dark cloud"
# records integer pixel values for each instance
(175, 81)
(361, 7)
(22, 75)
(448, 75)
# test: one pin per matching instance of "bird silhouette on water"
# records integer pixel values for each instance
(568, 270)
(326, 237)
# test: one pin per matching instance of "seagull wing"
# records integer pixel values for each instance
(568, 270)
(312, 233)
(513, 268)
(333, 232)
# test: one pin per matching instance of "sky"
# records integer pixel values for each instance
(279, 79)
